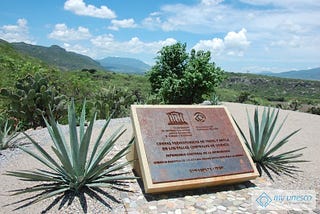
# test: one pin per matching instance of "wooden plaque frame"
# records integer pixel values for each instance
(153, 181)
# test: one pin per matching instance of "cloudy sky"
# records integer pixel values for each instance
(242, 35)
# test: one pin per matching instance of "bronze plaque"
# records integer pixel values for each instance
(185, 143)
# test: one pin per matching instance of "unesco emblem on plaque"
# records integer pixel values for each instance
(176, 118)
(200, 117)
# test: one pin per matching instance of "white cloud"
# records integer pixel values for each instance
(108, 44)
(211, 2)
(16, 33)
(125, 23)
(293, 42)
(279, 31)
(233, 44)
(236, 43)
(265, 23)
(63, 33)
(216, 46)
(290, 26)
(80, 8)
(285, 3)
(77, 48)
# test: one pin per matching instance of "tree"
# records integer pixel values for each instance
(182, 78)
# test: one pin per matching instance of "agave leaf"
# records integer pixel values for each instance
(115, 168)
(251, 132)
(265, 128)
(31, 176)
(59, 141)
(84, 146)
(82, 120)
(66, 169)
(50, 194)
(114, 178)
(105, 148)
(46, 159)
(97, 143)
(256, 130)
(244, 138)
(104, 169)
(104, 185)
(43, 187)
(280, 143)
(74, 143)
(93, 174)
(275, 132)
(287, 154)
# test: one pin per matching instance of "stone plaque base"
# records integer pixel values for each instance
(186, 146)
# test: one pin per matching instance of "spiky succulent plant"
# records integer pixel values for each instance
(263, 148)
(76, 165)
(7, 134)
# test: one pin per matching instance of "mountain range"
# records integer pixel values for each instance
(309, 74)
(58, 57)
(66, 60)
(127, 65)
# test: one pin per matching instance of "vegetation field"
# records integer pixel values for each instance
(293, 94)
(107, 91)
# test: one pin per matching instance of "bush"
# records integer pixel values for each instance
(112, 99)
(33, 97)
(314, 110)
(244, 97)
(181, 78)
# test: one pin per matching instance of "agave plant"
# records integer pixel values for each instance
(7, 135)
(74, 166)
(263, 148)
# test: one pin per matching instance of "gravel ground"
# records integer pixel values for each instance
(224, 199)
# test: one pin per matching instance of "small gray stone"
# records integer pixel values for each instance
(211, 210)
(220, 207)
(242, 208)
(152, 207)
(178, 211)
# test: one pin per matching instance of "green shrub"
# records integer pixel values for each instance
(262, 147)
(244, 97)
(215, 99)
(182, 78)
(74, 167)
(32, 98)
(294, 105)
(314, 110)
(112, 99)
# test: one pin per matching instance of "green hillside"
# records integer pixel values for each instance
(266, 90)
(14, 64)
(58, 57)
(104, 91)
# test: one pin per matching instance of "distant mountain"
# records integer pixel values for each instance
(310, 74)
(125, 65)
(58, 57)
(11, 58)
